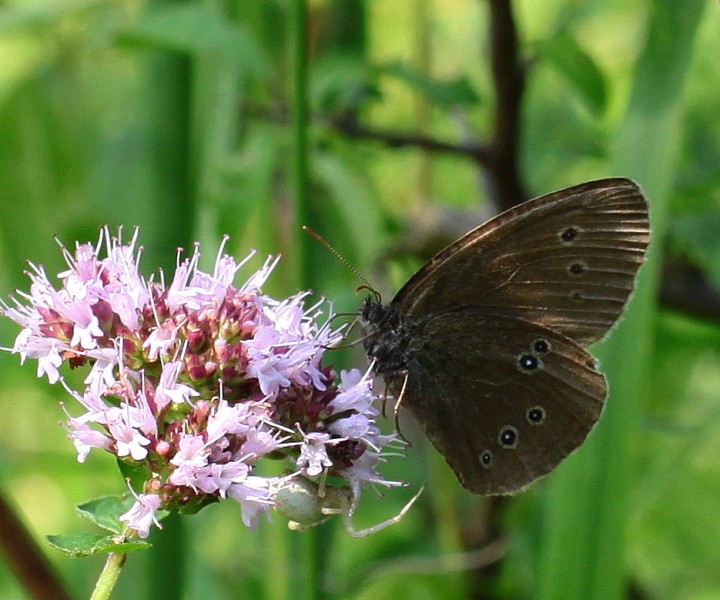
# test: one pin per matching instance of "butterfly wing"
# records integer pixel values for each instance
(566, 261)
(503, 399)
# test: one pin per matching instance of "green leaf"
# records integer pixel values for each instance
(196, 30)
(341, 83)
(79, 545)
(443, 93)
(578, 67)
(355, 207)
(136, 472)
(104, 511)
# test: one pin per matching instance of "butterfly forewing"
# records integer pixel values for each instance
(567, 260)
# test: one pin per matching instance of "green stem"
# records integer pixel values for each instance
(314, 545)
(109, 576)
(301, 164)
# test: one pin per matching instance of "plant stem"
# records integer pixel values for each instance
(301, 167)
(313, 548)
(109, 576)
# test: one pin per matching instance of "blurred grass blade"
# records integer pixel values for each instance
(588, 499)
(565, 53)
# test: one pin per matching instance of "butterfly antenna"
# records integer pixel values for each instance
(340, 257)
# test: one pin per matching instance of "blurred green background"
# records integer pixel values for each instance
(390, 127)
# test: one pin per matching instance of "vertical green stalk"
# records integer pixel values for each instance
(169, 121)
(109, 576)
(311, 545)
(167, 562)
(168, 117)
(300, 162)
(584, 552)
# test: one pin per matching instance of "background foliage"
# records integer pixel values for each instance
(418, 119)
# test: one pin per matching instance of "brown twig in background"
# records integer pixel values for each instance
(351, 127)
(27, 561)
(509, 80)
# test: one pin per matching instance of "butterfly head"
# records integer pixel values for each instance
(372, 310)
(385, 337)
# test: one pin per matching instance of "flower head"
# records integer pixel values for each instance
(198, 381)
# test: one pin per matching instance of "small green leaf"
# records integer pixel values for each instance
(196, 30)
(350, 199)
(79, 545)
(577, 66)
(136, 472)
(104, 511)
(341, 83)
(443, 93)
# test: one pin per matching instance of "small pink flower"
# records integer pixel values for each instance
(313, 454)
(169, 390)
(128, 440)
(85, 438)
(254, 496)
(142, 514)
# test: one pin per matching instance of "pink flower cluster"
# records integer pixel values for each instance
(191, 384)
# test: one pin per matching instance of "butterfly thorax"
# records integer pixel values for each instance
(386, 338)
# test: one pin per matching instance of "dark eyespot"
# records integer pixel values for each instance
(576, 269)
(541, 346)
(576, 296)
(528, 362)
(536, 415)
(568, 234)
(508, 437)
(486, 459)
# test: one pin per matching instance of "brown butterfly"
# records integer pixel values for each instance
(488, 339)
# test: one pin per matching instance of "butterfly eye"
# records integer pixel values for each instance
(569, 234)
(486, 459)
(508, 437)
(536, 415)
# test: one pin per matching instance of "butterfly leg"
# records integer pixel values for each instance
(361, 533)
(308, 504)
(396, 410)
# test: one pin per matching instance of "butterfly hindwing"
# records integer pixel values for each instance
(518, 380)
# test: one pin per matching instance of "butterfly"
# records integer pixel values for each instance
(487, 343)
